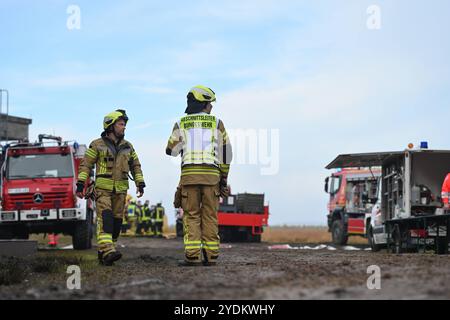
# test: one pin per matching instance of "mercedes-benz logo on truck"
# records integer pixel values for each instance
(38, 198)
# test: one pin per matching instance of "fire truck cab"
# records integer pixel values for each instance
(353, 192)
(38, 191)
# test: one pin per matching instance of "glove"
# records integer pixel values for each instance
(177, 198)
(141, 187)
(223, 188)
(80, 187)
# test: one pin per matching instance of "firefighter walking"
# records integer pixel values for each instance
(113, 158)
(205, 150)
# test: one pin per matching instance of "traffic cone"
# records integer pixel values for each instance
(52, 240)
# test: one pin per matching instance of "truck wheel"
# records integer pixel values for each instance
(338, 234)
(82, 234)
(441, 245)
(252, 237)
(257, 238)
(375, 247)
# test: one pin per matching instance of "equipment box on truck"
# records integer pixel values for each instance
(409, 214)
(38, 192)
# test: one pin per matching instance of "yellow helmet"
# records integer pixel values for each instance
(203, 94)
(113, 117)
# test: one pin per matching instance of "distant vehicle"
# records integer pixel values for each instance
(38, 192)
(241, 218)
(409, 214)
(353, 193)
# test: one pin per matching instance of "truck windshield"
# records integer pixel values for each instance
(39, 166)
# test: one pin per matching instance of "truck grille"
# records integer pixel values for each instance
(51, 200)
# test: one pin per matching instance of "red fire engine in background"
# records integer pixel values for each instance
(241, 217)
(38, 191)
(353, 193)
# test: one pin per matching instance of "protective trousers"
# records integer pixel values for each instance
(110, 210)
(201, 232)
(157, 228)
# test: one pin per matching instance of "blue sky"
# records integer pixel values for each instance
(310, 69)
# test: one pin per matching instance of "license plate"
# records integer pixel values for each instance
(8, 216)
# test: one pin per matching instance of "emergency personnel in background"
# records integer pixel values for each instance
(139, 225)
(158, 220)
(146, 218)
(125, 224)
(446, 192)
(205, 150)
(152, 220)
(132, 217)
(113, 158)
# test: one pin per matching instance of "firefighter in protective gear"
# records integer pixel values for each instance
(132, 214)
(158, 220)
(146, 219)
(446, 192)
(205, 150)
(139, 225)
(113, 158)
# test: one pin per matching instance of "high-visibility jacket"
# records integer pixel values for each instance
(146, 213)
(158, 214)
(132, 210)
(139, 213)
(205, 148)
(112, 162)
(446, 189)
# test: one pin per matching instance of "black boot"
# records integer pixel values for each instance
(185, 263)
(100, 257)
(111, 257)
(206, 262)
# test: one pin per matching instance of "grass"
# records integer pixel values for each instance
(12, 271)
(303, 234)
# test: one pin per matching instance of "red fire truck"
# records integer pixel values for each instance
(241, 217)
(353, 193)
(38, 191)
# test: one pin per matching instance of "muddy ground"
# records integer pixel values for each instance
(149, 270)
